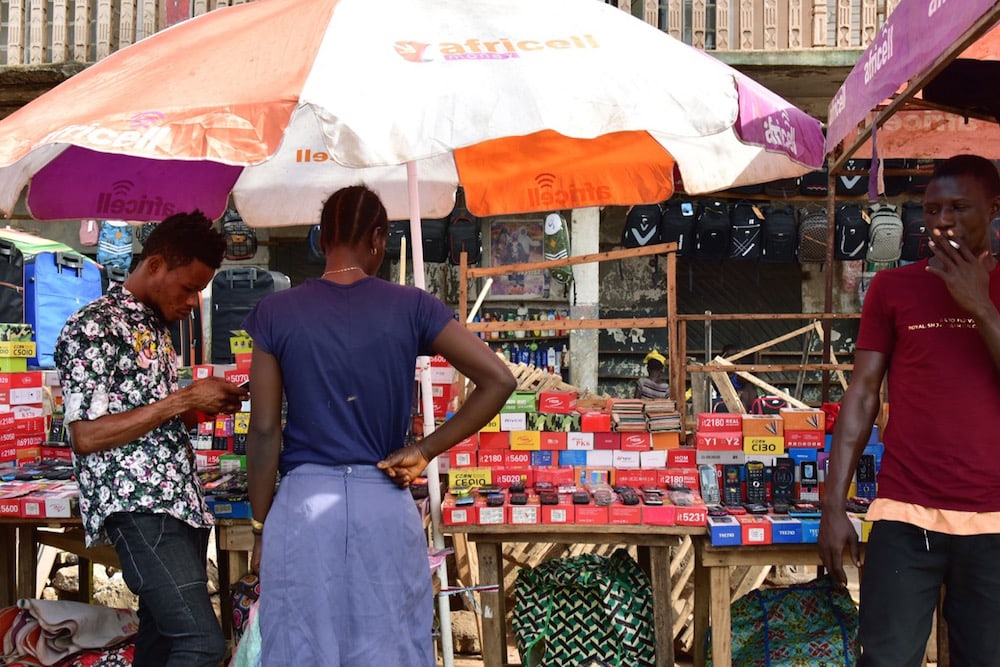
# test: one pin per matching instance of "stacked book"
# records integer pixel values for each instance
(628, 414)
(662, 415)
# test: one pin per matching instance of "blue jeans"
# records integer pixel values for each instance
(164, 562)
(905, 567)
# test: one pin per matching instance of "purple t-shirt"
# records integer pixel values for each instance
(347, 356)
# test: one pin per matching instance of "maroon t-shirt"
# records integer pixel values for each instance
(942, 441)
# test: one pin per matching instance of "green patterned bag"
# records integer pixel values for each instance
(587, 608)
(814, 624)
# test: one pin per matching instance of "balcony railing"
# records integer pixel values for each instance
(36, 32)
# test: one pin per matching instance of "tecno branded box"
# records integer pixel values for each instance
(724, 531)
(803, 419)
(784, 529)
(718, 441)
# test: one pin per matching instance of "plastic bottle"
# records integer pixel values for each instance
(565, 357)
(537, 331)
(510, 334)
(551, 318)
(525, 355)
(552, 361)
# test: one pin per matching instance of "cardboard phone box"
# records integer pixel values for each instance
(803, 419)
(666, 439)
(521, 401)
(678, 477)
(560, 514)
(525, 441)
(724, 531)
(592, 514)
(784, 529)
(577, 440)
(659, 515)
(756, 529)
(490, 458)
(552, 440)
(695, 515)
(595, 422)
(718, 441)
(494, 440)
(600, 458)
(607, 441)
(453, 515)
(756, 444)
(461, 459)
(803, 439)
(719, 422)
(513, 421)
(516, 459)
(653, 459)
(622, 459)
(556, 475)
(720, 457)
(489, 516)
(572, 457)
(624, 515)
(557, 402)
(492, 426)
(543, 458)
(634, 478)
(468, 478)
(504, 477)
(682, 457)
(810, 530)
(469, 444)
(762, 425)
(636, 442)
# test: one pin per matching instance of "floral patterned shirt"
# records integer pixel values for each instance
(115, 355)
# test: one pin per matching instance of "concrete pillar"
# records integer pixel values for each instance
(584, 238)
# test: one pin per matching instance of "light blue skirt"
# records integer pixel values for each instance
(344, 575)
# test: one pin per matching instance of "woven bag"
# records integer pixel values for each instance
(587, 608)
(814, 624)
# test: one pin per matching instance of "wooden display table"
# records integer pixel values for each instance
(654, 544)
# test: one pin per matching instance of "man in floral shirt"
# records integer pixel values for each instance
(129, 427)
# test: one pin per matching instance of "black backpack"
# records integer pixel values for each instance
(915, 236)
(813, 225)
(464, 233)
(712, 230)
(850, 232)
(780, 235)
(745, 227)
(642, 226)
(241, 240)
(896, 184)
(435, 239)
(677, 225)
(856, 183)
(815, 183)
(398, 230)
(781, 188)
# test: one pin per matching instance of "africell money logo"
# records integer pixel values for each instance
(121, 202)
(479, 49)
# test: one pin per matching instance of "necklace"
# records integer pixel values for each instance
(343, 270)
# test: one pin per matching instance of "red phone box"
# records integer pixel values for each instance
(202, 371)
(453, 515)
(461, 459)
(592, 514)
(494, 440)
(678, 477)
(237, 376)
(666, 440)
(504, 477)
(467, 445)
(756, 529)
(491, 458)
(719, 441)
(595, 422)
(515, 459)
(557, 402)
(556, 475)
(489, 516)
(563, 513)
(22, 380)
(659, 515)
(243, 360)
(719, 422)
(695, 515)
(525, 515)
(607, 441)
(684, 457)
(635, 442)
(57, 453)
(634, 478)
(619, 514)
(552, 440)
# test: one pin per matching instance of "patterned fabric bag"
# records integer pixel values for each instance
(246, 591)
(814, 624)
(587, 608)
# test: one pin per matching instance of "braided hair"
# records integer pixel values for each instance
(349, 215)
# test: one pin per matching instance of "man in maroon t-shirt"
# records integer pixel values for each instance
(934, 327)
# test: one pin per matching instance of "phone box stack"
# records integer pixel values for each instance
(221, 439)
(23, 423)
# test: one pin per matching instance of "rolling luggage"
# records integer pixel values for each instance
(11, 282)
(56, 285)
(235, 291)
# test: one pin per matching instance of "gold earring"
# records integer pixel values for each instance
(374, 251)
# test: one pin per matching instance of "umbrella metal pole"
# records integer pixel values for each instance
(427, 408)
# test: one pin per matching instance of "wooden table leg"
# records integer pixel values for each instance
(85, 579)
(702, 597)
(8, 566)
(494, 607)
(721, 622)
(26, 562)
(663, 617)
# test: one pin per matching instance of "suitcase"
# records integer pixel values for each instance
(56, 285)
(11, 282)
(188, 338)
(235, 291)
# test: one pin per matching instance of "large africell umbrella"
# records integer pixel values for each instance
(531, 106)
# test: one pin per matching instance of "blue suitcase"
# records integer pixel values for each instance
(56, 285)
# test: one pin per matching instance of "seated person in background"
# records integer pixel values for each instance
(654, 385)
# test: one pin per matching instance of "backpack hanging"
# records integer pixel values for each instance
(815, 183)
(587, 608)
(813, 224)
(398, 230)
(853, 183)
(711, 231)
(555, 245)
(850, 232)
(780, 235)
(677, 225)
(89, 233)
(915, 239)
(642, 226)
(746, 223)
(781, 188)
(885, 234)
(241, 240)
(464, 234)
(434, 234)
(114, 244)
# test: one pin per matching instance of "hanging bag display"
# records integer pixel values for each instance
(556, 246)
(915, 239)
(677, 225)
(589, 607)
(850, 232)
(642, 226)
(241, 240)
(465, 234)
(780, 235)
(746, 231)
(885, 234)
(398, 230)
(114, 245)
(813, 226)
(711, 231)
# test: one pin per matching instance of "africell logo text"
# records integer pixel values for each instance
(121, 202)
(546, 195)
(478, 49)
(145, 134)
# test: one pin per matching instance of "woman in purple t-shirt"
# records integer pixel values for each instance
(340, 545)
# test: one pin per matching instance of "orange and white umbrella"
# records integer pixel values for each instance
(531, 106)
